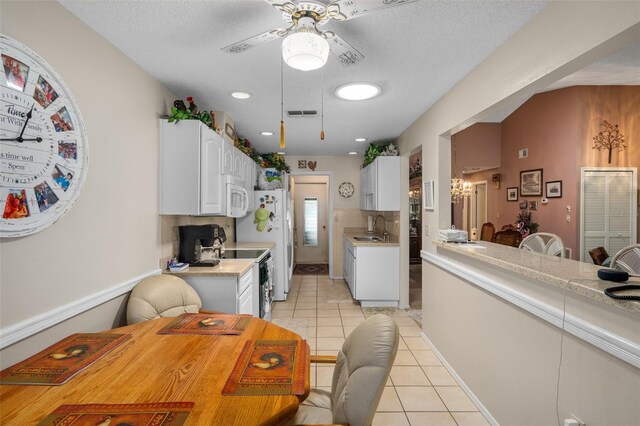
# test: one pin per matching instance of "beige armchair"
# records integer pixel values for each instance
(161, 296)
(361, 371)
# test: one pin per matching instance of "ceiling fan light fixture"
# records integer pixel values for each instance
(358, 91)
(305, 51)
(240, 95)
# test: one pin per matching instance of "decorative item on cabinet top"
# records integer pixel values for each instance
(179, 111)
(374, 151)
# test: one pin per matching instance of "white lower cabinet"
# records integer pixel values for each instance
(372, 273)
(230, 294)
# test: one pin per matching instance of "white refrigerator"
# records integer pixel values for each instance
(272, 221)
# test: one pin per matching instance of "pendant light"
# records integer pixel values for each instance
(281, 105)
(322, 107)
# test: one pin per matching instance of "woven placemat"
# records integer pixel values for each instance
(63, 360)
(208, 324)
(158, 413)
(270, 367)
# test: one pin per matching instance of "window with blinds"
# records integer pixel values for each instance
(608, 209)
(310, 221)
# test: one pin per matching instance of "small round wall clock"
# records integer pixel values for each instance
(43, 143)
(346, 189)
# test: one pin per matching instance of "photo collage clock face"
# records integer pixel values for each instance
(43, 143)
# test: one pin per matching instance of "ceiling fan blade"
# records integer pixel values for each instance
(343, 51)
(347, 9)
(248, 43)
(283, 6)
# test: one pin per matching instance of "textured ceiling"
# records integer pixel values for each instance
(415, 52)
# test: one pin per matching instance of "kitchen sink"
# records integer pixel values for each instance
(367, 238)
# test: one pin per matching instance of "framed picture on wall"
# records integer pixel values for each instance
(531, 182)
(512, 194)
(230, 131)
(428, 196)
(533, 205)
(554, 189)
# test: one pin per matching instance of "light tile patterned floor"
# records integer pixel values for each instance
(420, 391)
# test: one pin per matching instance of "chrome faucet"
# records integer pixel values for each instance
(385, 236)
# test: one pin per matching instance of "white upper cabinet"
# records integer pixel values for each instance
(199, 170)
(190, 169)
(380, 185)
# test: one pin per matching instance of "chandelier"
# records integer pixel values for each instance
(459, 189)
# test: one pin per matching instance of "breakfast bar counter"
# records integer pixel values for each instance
(576, 277)
(506, 318)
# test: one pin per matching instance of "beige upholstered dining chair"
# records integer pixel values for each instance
(361, 371)
(627, 259)
(161, 296)
(544, 243)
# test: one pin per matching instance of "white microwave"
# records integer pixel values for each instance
(237, 202)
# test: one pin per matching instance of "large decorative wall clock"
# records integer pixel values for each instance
(43, 143)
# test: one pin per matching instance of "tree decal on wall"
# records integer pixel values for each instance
(609, 138)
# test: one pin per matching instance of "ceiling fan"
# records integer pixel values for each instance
(305, 47)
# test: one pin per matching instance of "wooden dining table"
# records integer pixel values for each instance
(152, 367)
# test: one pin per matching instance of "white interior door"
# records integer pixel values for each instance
(608, 213)
(474, 209)
(311, 222)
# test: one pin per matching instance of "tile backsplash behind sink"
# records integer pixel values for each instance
(356, 218)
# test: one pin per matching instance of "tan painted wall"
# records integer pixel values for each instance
(344, 168)
(111, 234)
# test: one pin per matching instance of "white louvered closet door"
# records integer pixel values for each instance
(608, 209)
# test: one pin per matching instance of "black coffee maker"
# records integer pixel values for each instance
(209, 237)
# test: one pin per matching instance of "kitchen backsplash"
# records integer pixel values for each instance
(169, 232)
(356, 218)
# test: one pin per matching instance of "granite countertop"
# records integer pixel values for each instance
(577, 277)
(355, 232)
(250, 246)
(226, 267)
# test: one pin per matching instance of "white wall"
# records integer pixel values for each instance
(111, 235)
(344, 168)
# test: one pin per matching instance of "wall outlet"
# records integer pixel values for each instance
(568, 218)
(426, 230)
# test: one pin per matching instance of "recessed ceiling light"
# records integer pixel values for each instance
(353, 153)
(361, 139)
(241, 95)
(266, 133)
(358, 91)
(281, 153)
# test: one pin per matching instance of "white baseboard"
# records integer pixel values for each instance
(27, 328)
(485, 412)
